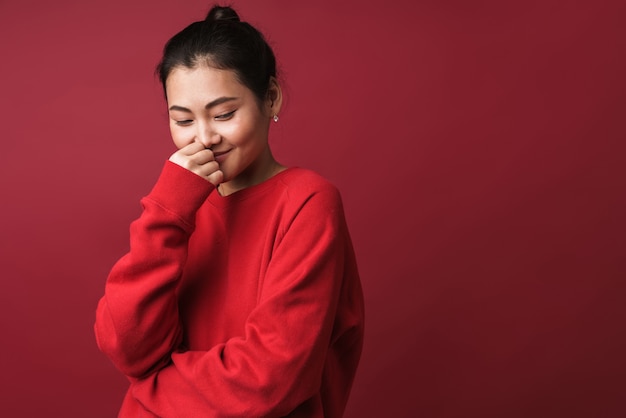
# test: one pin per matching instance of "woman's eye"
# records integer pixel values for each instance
(225, 116)
(184, 122)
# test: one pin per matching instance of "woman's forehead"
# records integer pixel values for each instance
(203, 83)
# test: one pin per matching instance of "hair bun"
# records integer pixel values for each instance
(222, 13)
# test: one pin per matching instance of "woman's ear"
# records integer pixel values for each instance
(274, 97)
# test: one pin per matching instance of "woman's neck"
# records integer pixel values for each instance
(259, 171)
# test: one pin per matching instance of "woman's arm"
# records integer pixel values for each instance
(137, 323)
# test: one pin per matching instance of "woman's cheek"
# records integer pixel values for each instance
(180, 137)
(229, 131)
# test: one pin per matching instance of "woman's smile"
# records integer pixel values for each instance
(220, 156)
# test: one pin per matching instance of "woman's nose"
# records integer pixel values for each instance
(208, 138)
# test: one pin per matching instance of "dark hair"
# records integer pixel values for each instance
(222, 41)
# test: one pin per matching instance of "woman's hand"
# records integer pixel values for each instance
(199, 160)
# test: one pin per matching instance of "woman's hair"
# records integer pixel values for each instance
(222, 41)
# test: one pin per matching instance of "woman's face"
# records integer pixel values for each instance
(211, 106)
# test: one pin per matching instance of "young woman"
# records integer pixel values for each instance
(240, 295)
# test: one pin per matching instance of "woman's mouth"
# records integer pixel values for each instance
(220, 156)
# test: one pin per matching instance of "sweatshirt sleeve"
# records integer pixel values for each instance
(137, 324)
(279, 361)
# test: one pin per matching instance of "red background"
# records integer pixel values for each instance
(479, 147)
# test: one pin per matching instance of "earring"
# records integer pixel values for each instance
(275, 118)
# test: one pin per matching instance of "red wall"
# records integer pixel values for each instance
(479, 147)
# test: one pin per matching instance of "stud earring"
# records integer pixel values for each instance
(275, 118)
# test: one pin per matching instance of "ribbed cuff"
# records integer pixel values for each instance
(180, 191)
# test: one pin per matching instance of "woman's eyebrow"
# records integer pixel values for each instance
(219, 101)
(209, 105)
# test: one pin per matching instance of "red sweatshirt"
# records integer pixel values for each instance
(248, 305)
